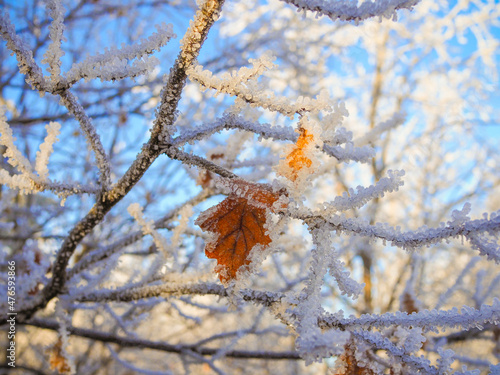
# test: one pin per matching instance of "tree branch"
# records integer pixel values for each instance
(133, 294)
(106, 251)
(158, 345)
(160, 134)
(347, 11)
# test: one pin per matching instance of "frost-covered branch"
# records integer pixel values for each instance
(312, 343)
(419, 364)
(157, 345)
(53, 55)
(278, 133)
(349, 11)
(350, 153)
(113, 64)
(34, 76)
(356, 199)
(27, 181)
(70, 101)
(190, 159)
(105, 252)
(286, 134)
(232, 121)
(424, 236)
(231, 83)
(24, 55)
(42, 156)
(165, 117)
(26, 185)
(429, 320)
(252, 94)
(175, 289)
(374, 134)
(14, 157)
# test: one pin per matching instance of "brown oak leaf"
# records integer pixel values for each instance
(58, 360)
(297, 159)
(238, 226)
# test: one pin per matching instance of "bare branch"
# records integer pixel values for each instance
(158, 345)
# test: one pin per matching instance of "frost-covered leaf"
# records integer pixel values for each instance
(298, 159)
(238, 225)
(58, 361)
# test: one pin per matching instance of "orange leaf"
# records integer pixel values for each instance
(58, 361)
(297, 159)
(238, 224)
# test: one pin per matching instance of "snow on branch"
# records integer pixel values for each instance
(250, 92)
(229, 121)
(46, 149)
(190, 159)
(128, 294)
(423, 236)
(13, 155)
(319, 334)
(228, 82)
(18, 181)
(54, 53)
(160, 134)
(357, 199)
(191, 42)
(148, 227)
(350, 153)
(429, 320)
(313, 344)
(417, 364)
(24, 55)
(70, 101)
(27, 181)
(34, 77)
(107, 251)
(334, 136)
(347, 10)
(190, 48)
(232, 121)
(487, 245)
(373, 135)
(113, 63)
